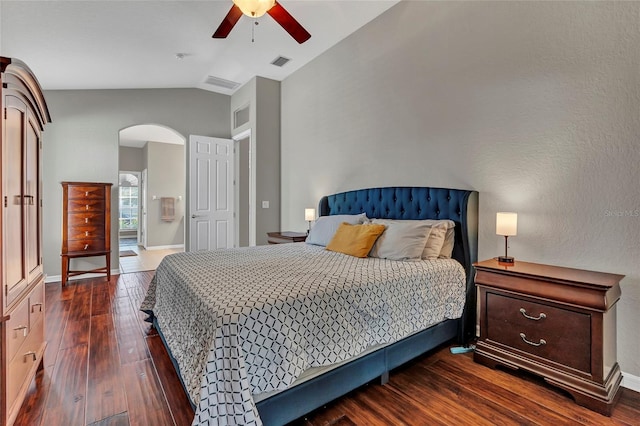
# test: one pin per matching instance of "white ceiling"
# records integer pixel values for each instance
(121, 44)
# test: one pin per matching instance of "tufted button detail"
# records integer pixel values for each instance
(437, 211)
(448, 197)
(428, 198)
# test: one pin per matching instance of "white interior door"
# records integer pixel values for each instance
(211, 204)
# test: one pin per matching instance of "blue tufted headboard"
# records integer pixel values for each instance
(404, 202)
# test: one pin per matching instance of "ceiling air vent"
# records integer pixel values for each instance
(221, 82)
(280, 61)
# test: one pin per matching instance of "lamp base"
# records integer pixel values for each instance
(506, 259)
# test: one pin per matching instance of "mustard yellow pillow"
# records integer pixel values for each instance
(355, 240)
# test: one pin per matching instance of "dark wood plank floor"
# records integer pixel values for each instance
(105, 365)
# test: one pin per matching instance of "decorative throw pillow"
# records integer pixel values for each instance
(355, 240)
(402, 240)
(326, 226)
(434, 242)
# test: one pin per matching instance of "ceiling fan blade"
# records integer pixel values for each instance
(289, 23)
(228, 22)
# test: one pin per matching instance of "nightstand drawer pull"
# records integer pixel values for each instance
(542, 315)
(529, 342)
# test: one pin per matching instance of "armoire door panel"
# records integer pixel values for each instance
(15, 276)
(32, 201)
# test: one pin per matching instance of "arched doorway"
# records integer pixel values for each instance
(152, 191)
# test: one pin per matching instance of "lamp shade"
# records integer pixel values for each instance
(506, 223)
(254, 8)
(309, 214)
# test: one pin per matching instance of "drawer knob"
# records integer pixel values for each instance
(86, 220)
(86, 246)
(30, 354)
(86, 193)
(86, 233)
(542, 315)
(23, 328)
(38, 305)
(529, 342)
(86, 206)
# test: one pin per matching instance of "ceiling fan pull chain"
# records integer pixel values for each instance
(253, 33)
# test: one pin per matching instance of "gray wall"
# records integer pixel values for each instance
(81, 144)
(533, 104)
(263, 97)
(166, 177)
(130, 159)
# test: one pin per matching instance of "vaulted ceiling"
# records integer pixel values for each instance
(98, 44)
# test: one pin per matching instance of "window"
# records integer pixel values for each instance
(128, 201)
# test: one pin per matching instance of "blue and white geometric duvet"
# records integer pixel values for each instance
(249, 320)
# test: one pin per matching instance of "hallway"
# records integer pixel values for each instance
(143, 260)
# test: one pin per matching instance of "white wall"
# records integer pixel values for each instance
(534, 104)
(81, 144)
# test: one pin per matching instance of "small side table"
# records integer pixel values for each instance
(286, 237)
(558, 323)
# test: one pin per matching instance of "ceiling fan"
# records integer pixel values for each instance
(257, 8)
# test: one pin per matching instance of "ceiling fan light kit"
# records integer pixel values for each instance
(257, 8)
(254, 8)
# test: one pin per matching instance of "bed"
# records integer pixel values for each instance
(273, 356)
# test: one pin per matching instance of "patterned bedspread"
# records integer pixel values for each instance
(250, 320)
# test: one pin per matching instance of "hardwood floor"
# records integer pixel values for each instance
(105, 365)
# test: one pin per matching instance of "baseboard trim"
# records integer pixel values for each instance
(630, 381)
(175, 246)
(58, 278)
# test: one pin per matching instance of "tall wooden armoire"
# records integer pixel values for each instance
(22, 343)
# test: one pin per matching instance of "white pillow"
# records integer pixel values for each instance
(445, 242)
(401, 241)
(326, 226)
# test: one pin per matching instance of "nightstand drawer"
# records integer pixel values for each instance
(556, 334)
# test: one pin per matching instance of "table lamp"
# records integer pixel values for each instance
(507, 225)
(309, 215)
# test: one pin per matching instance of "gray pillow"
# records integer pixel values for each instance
(326, 226)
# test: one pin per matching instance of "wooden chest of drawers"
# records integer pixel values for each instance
(559, 323)
(86, 225)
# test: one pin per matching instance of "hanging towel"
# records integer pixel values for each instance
(168, 209)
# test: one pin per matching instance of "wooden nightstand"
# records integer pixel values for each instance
(559, 323)
(286, 237)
